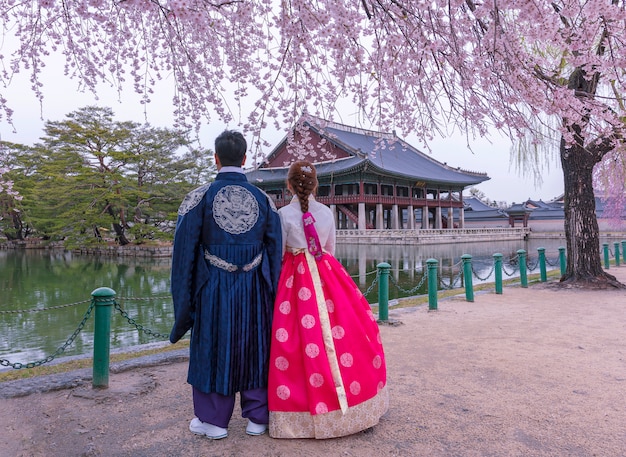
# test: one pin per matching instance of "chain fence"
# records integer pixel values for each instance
(81, 325)
(137, 325)
(452, 283)
(60, 350)
(414, 289)
(373, 272)
(509, 268)
(456, 279)
(509, 273)
(476, 275)
(371, 287)
(49, 308)
(530, 266)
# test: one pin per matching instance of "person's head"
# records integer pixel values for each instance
(230, 149)
(302, 182)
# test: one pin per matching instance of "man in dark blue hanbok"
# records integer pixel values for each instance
(225, 267)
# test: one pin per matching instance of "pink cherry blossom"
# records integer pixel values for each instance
(540, 71)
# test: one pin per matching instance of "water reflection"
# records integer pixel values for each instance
(46, 293)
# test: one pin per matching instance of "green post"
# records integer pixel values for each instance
(624, 250)
(467, 276)
(523, 276)
(103, 299)
(542, 264)
(497, 258)
(616, 247)
(383, 291)
(432, 283)
(607, 264)
(562, 260)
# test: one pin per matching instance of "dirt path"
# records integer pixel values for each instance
(531, 372)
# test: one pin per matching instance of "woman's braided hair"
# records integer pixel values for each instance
(302, 178)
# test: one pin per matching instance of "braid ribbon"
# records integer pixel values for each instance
(312, 239)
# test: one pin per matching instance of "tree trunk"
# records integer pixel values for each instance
(120, 235)
(17, 225)
(582, 234)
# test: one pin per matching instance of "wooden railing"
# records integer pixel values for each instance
(384, 199)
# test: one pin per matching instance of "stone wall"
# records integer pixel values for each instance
(112, 251)
(128, 251)
(430, 236)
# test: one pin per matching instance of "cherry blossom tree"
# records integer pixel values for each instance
(6, 186)
(550, 74)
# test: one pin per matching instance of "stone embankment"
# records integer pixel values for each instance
(130, 250)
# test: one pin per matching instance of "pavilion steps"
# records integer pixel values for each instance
(350, 215)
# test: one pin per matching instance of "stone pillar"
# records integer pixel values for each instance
(425, 217)
(410, 217)
(379, 216)
(394, 217)
(362, 220)
(438, 223)
(462, 218)
(333, 208)
(450, 218)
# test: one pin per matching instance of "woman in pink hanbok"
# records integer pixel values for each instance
(327, 366)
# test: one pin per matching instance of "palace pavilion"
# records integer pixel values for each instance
(371, 180)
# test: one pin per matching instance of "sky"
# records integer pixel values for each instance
(491, 156)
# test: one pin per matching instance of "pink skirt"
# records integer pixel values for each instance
(327, 375)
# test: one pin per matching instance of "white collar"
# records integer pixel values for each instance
(230, 169)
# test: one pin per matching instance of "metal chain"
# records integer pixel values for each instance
(61, 349)
(458, 264)
(529, 268)
(369, 289)
(450, 286)
(164, 297)
(414, 289)
(486, 277)
(138, 326)
(556, 262)
(36, 310)
(366, 274)
(507, 273)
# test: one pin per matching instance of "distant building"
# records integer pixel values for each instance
(546, 216)
(372, 180)
(538, 215)
(480, 215)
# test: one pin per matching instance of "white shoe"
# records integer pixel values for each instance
(255, 429)
(209, 430)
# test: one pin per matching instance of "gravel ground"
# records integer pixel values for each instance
(530, 372)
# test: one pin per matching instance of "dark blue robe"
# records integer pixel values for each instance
(225, 268)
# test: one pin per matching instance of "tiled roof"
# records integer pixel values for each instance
(381, 152)
(474, 204)
(396, 156)
(279, 174)
(476, 210)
